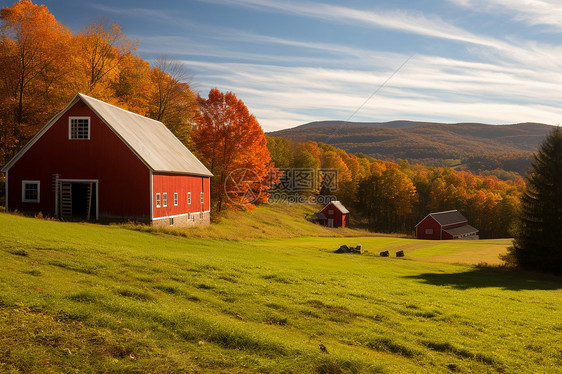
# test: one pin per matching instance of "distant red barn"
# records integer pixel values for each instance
(445, 225)
(334, 214)
(96, 162)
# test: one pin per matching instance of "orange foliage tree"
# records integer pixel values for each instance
(102, 49)
(232, 144)
(32, 50)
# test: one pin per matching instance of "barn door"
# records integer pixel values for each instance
(330, 222)
(77, 199)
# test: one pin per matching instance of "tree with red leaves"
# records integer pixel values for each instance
(232, 144)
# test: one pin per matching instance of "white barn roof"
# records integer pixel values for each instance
(150, 140)
(339, 206)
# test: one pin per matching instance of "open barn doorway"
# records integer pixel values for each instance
(78, 200)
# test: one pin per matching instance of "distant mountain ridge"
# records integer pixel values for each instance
(421, 140)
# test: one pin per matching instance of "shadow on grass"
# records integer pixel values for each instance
(485, 277)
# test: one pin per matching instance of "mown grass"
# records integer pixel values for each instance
(89, 298)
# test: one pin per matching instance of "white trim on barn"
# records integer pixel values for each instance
(151, 194)
(189, 214)
(70, 118)
(25, 182)
(6, 189)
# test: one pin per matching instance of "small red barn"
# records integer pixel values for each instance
(445, 225)
(336, 215)
(96, 162)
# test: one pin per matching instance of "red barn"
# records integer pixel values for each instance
(336, 215)
(96, 162)
(445, 225)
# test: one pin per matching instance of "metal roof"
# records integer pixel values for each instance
(449, 217)
(463, 230)
(150, 140)
(339, 206)
(318, 216)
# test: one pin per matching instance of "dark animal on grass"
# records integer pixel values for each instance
(400, 254)
(384, 254)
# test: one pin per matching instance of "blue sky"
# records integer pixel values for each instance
(292, 62)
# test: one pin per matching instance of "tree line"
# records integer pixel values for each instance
(392, 197)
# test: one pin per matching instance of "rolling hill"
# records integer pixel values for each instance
(421, 140)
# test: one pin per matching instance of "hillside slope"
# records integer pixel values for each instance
(107, 299)
(265, 222)
(418, 140)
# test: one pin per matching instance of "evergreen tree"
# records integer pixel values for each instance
(538, 240)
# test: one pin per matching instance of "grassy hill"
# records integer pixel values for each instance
(267, 221)
(421, 140)
(91, 298)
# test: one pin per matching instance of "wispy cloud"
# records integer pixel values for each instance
(532, 12)
(397, 20)
(431, 88)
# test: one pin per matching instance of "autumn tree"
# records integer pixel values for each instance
(132, 85)
(102, 49)
(538, 240)
(281, 151)
(33, 56)
(233, 146)
(172, 101)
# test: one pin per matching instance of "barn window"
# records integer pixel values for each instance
(202, 197)
(79, 128)
(189, 198)
(331, 211)
(428, 231)
(175, 198)
(30, 192)
(172, 221)
(158, 200)
(164, 199)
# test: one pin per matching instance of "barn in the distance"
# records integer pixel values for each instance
(334, 214)
(96, 162)
(445, 225)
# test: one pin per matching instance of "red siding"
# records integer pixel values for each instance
(447, 236)
(428, 223)
(124, 180)
(180, 184)
(340, 219)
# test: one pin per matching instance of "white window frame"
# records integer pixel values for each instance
(176, 199)
(70, 128)
(189, 198)
(165, 199)
(158, 201)
(202, 197)
(428, 231)
(23, 184)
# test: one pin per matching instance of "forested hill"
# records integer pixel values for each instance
(421, 140)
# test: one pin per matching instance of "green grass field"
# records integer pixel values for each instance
(91, 298)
